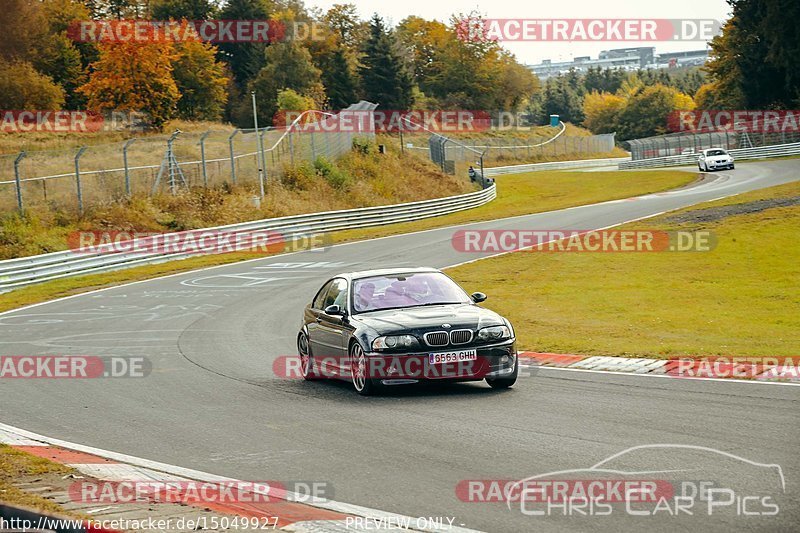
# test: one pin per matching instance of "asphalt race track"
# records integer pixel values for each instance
(213, 402)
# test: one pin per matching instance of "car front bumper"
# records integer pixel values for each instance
(495, 360)
(715, 166)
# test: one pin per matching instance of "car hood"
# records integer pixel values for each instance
(429, 318)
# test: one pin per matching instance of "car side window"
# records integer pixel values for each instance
(337, 295)
(319, 299)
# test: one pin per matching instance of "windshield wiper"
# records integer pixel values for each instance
(409, 306)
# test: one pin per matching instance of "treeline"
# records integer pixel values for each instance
(754, 64)
(419, 64)
(632, 104)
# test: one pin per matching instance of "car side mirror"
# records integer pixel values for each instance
(334, 310)
(478, 297)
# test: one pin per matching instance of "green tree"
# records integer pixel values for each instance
(646, 112)
(59, 59)
(201, 81)
(340, 84)
(384, 77)
(245, 59)
(755, 62)
(288, 66)
(181, 9)
(559, 97)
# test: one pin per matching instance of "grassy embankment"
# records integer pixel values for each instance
(740, 299)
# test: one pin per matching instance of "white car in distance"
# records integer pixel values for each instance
(714, 159)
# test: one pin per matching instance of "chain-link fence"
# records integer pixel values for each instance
(104, 173)
(457, 155)
(694, 142)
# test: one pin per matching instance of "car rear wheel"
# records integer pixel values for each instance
(505, 381)
(363, 384)
(307, 369)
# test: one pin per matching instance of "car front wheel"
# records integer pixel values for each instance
(306, 359)
(505, 381)
(359, 366)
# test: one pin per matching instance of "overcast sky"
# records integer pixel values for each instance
(533, 52)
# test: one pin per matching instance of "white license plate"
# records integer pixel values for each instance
(452, 357)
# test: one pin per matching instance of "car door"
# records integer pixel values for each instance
(311, 319)
(331, 328)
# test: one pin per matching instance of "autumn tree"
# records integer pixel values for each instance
(134, 75)
(601, 111)
(22, 87)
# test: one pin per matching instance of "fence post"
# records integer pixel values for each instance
(81, 150)
(125, 162)
(291, 146)
(233, 157)
(262, 176)
(17, 161)
(202, 144)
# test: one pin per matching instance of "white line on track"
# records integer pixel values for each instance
(631, 374)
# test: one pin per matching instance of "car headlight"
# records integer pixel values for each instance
(390, 342)
(494, 333)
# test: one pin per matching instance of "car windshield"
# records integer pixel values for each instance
(405, 290)
(716, 152)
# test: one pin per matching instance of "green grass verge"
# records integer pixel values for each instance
(517, 195)
(740, 299)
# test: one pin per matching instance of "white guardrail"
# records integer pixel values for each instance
(19, 272)
(553, 165)
(760, 152)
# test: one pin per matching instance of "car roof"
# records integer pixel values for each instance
(384, 272)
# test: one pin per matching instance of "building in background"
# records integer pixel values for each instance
(636, 58)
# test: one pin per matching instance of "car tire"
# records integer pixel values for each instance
(733, 166)
(506, 381)
(700, 168)
(364, 385)
(307, 367)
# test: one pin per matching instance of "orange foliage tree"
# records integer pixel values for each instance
(134, 75)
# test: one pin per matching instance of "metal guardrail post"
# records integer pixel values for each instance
(81, 150)
(233, 157)
(125, 162)
(17, 181)
(202, 144)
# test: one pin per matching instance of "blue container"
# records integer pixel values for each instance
(554, 121)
